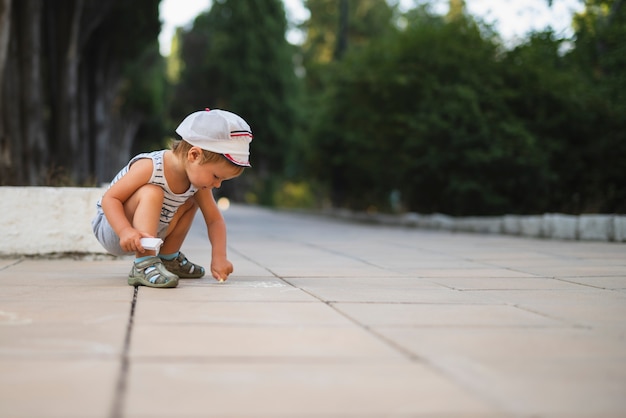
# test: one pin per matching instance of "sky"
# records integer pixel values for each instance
(513, 19)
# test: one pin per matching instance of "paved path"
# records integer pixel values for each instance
(323, 319)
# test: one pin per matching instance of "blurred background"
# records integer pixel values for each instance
(383, 106)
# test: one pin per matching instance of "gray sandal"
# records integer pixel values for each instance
(151, 273)
(183, 268)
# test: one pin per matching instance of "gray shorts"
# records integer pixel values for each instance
(108, 238)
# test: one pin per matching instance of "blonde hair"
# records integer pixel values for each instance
(181, 148)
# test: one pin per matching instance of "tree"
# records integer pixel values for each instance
(600, 54)
(64, 77)
(236, 57)
(430, 113)
(335, 27)
(335, 30)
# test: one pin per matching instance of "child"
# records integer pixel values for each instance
(157, 195)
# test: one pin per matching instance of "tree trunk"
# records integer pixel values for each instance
(5, 32)
(5, 25)
(12, 139)
(63, 24)
(35, 150)
(108, 131)
(68, 96)
(63, 119)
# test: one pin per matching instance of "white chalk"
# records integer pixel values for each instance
(151, 243)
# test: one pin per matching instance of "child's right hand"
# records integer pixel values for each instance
(130, 240)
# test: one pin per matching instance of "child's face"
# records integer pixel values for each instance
(209, 175)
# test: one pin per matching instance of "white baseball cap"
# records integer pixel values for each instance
(218, 131)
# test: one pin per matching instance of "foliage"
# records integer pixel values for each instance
(236, 57)
(366, 20)
(441, 113)
(145, 90)
(600, 55)
(414, 111)
(420, 112)
(295, 195)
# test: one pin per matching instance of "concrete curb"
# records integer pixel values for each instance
(48, 220)
(548, 226)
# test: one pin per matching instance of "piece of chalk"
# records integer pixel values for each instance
(151, 243)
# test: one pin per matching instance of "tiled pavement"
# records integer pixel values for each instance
(323, 319)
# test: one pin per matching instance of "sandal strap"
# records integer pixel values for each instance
(155, 271)
(187, 265)
(184, 268)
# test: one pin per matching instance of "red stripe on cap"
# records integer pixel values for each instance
(232, 160)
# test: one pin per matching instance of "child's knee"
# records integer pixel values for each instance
(146, 197)
(150, 192)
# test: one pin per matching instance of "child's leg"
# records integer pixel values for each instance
(143, 210)
(173, 259)
(179, 227)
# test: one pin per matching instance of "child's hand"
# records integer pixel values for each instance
(130, 240)
(221, 268)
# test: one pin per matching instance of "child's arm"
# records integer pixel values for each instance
(216, 228)
(113, 204)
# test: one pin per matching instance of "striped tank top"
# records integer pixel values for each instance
(171, 200)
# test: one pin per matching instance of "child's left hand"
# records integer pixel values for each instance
(221, 268)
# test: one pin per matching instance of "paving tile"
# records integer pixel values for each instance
(574, 270)
(533, 343)
(25, 312)
(511, 283)
(65, 291)
(256, 342)
(410, 265)
(585, 250)
(238, 313)
(324, 319)
(234, 289)
(287, 260)
(71, 388)
(401, 256)
(298, 390)
(8, 262)
(530, 371)
(485, 273)
(61, 340)
(67, 268)
(593, 307)
(512, 257)
(236, 282)
(326, 268)
(382, 289)
(43, 279)
(110, 280)
(611, 282)
(442, 315)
